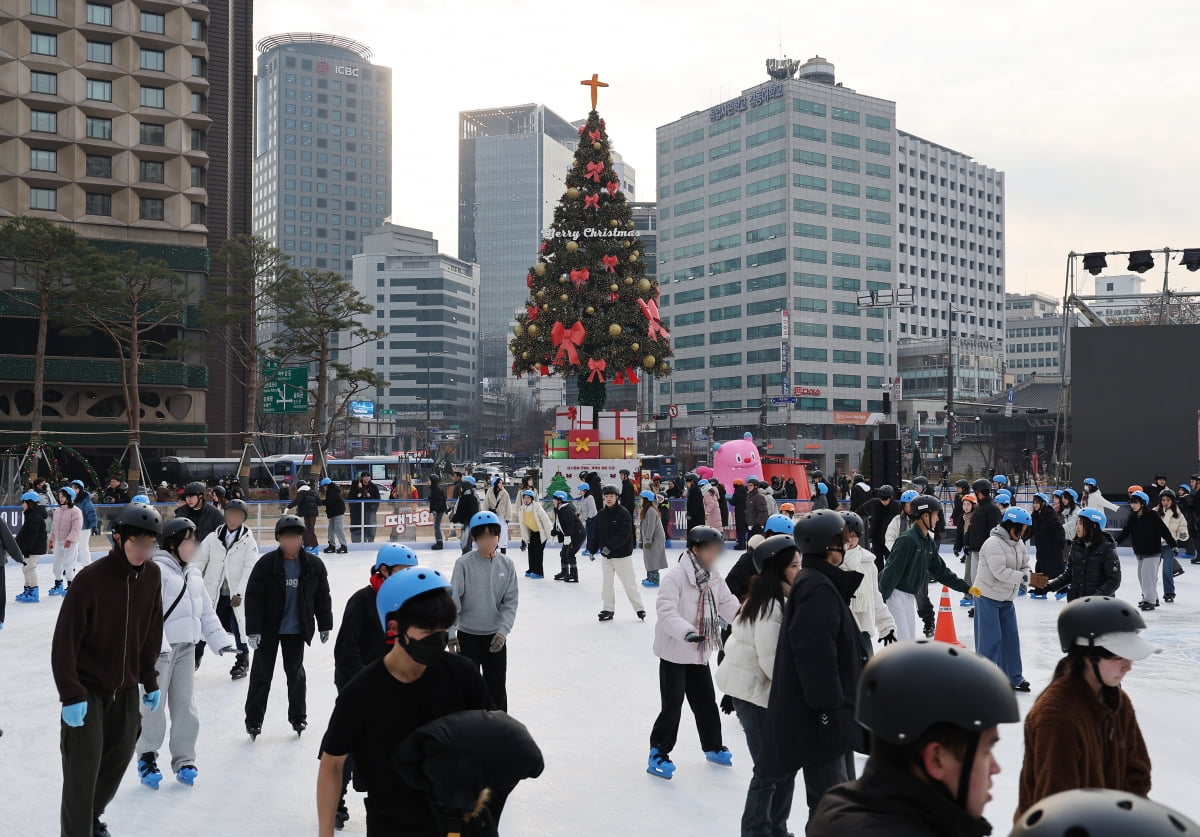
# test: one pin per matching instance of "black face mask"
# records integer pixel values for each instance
(426, 651)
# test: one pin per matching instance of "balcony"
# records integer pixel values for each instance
(85, 371)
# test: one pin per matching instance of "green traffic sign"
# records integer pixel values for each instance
(285, 389)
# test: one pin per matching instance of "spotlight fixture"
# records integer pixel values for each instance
(1140, 261)
(1191, 258)
(1093, 263)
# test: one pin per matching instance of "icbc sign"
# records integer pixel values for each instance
(346, 71)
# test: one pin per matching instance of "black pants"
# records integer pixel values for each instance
(229, 622)
(535, 550)
(819, 778)
(675, 682)
(924, 604)
(262, 671)
(310, 531)
(570, 549)
(493, 665)
(95, 756)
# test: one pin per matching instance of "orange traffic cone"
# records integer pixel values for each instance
(945, 631)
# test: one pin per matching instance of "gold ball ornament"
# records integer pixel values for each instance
(533, 330)
(614, 330)
(628, 280)
(614, 222)
(633, 347)
(563, 278)
(540, 269)
(629, 224)
(649, 361)
(524, 355)
(596, 146)
(645, 285)
(589, 310)
(541, 293)
(626, 244)
(637, 252)
(614, 287)
(633, 257)
(518, 329)
(572, 246)
(573, 193)
(564, 297)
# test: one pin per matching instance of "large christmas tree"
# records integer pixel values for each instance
(592, 313)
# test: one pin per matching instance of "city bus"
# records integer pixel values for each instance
(180, 470)
(665, 466)
(383, 469)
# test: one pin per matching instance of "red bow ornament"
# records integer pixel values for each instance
(619, 380)
(568, 341)
(572, 412)
(529, 281)
(593, 135)
(580, 276)
(582, 128)
(592, 171)
(610, 263)
(655, 328)
(544, 370)
(542, 247)
(631, 376)
(612, 186)
(533, 313)
(591, 201)
(597, 370)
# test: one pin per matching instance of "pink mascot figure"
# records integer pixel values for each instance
(737, 460)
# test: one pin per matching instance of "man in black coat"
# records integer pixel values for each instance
(877, 513)
(695, 501)
(363, 512)
(810, 722)
(437, 507)
(860, 492)
(739, 513)
(195, 508)
(307, 505)
(287, 600)
(466, 508)
(628, 493)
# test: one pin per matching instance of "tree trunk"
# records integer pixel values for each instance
(134, 406)
(39, 366)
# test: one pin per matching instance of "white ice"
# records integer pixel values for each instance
(587, 691)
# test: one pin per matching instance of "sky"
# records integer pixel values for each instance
(1087, 107)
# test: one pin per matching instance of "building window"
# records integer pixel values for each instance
(42, 44)
(98, 203)
(45, 199)
(851, 404)
(151, 209)
(767, 306)
(805, 181)
(804, 254)
(805, 106)
(808, 158)
(841, 187)
(43, 121)
(99, 90)
(199, 213)
(153, 97)
(41, 160)
(43, 82)
(809, 280)
(844, 140)
(842, 356)
(733, 335)
(199, 177)
(810, 330)
(844, 115)
(877, 147)
(155, 23)
(152, 59)
(199, 103)
(99, 14)
(845, 164)
(46, 8)
(199, 140)
(151, 134)
(199, 31)
(811, 355)
(99, 166)
(810, 231)
(880, 122)
(99, 128)
(805, 132)
(199, 67)
(99, 52)
(152, 171)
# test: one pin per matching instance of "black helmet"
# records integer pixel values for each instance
(700, 535)
(691, 476)
(1168, 492)
(770, 550)
(886, 492)
(138, 516)
(909, 687)
(219, 491)
(816, 531)
(816, 475)
(982, 485)
(1101, 813)
(1096, 616)
(922, 505)
(238, 505)
(610, 489)
(288, 523)
(921, 481)
(961, 484)
(854, 523)
(173, 529)
(194, 488)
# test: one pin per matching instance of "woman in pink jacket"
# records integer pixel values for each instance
(692, 601)
(712, 506)
(65, 531)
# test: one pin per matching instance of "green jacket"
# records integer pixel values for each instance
(914, 558)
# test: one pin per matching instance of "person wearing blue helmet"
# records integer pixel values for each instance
(653, 538)
(465, 508)
(1146, 532)
(999, 482)
(820, 499)
(569, 528)
(1049, 542)
(1068, 510)
(415, 682)
(1093, 499)
(31, 540)
(535, 533)
(65, 530)
(587, 512)
(1003, 569)
(484, 587)
(1092, 565)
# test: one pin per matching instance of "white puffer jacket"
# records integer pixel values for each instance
(867, 605)
(1177, 526)
(749, 662)
(193, 619)
(229, 566)
(1003, 566)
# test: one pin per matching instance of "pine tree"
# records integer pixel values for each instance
(592, 313)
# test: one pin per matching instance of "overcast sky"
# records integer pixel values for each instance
(1088, 107)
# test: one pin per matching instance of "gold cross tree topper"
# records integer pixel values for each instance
(595, 83)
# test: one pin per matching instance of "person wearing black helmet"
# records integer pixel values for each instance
(287, 596)
(1156, 485)
(1102, 813)
(933, 713)
(691, 603)
(877, 514)
(867, 605)
(614, 543)
(810, 713)
(1083, 723)
(225, 559)
(195, 508)
(106, 644)
(1172, 515)
(914, 558)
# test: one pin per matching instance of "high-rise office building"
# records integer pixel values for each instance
(322, 164)
(107, 126)
(1033, 336)
(512, 168)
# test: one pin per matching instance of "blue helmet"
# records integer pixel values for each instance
(140, 498)
(1017, 515)
(909, 496)
(406, 584)
(1004, 496)
(69, 491)
(1141, 495)
(326, 481)
(483, 518)
(528, 493)
(822, 488)
(1095, 516)
(562, 495)
(1042, 497)
(469, 481)
(583, 486)
(395, 555)
(648, 496)
(31, 496)
(1090, 481)
(78, 483)
(702, 483)
(1058, 492)
(779, 524)
(495, 479)
(1000, 479)
(1074, 495)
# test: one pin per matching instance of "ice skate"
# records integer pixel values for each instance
(659, 764)
(254, 730)
(722, 757)
(186, 775)
(30, 596)
(148, 771)
(606, 615)
(299, 727)
(57, 589)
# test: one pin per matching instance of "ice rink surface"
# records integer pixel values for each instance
(587, 691)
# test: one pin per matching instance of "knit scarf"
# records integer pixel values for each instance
(707, 623)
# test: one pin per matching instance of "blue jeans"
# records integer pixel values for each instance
(996, 636)
(437, 526)
(1168, 570)
(769, 800)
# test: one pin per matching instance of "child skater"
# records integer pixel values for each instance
(32, 540)
(64, 534)
(691, 604)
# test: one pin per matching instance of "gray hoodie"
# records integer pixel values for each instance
(485, 592)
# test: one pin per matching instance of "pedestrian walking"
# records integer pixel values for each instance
(484, 588)
(65, 529)
(437, 508)
(571, 531)
(466, 507)
(614, 542)
(224, 559)
(654, 539)
(32, 540)
(535, 533)
(1003, 569)
(335, 511)
(1168, 509)
(1147, 533)
(690, 606)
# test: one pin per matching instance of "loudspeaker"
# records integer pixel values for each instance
(885, 463)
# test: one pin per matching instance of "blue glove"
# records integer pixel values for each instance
(151, 699)
(74, 713)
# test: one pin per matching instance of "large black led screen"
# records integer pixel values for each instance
(1135, 403)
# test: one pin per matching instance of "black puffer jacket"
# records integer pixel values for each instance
(1048, 537)
(437, 497)
(614, 530)
(877, 517)
(1093, 569)
(739, 507)
(1145, 533)
(695, 507)
(360, 639)
(265, 596)
(306, 504)
(32, 536)
(466, 508)
(334, 503)
(206, 517)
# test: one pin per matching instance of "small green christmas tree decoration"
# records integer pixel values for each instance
(592, 313)
(558, 483)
